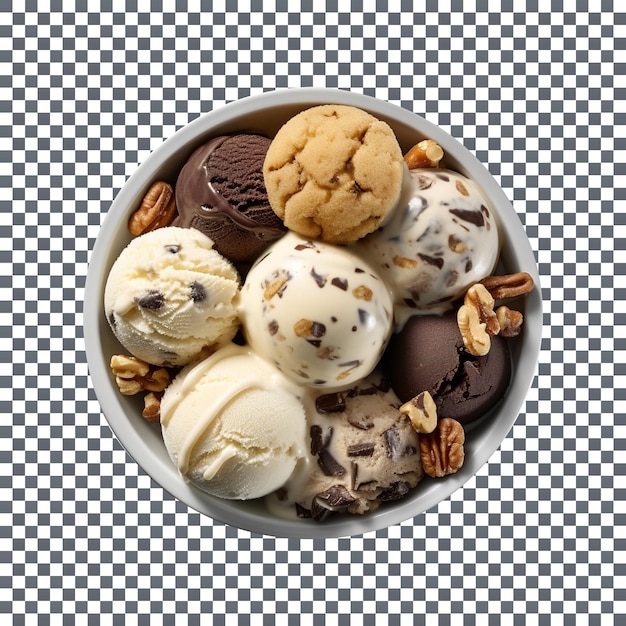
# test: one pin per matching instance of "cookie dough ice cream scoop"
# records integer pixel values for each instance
(317, 311)
(170, 296)
(441, 239)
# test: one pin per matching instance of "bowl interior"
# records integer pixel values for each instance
(265, 113)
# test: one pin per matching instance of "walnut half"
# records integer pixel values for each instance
(443, 450)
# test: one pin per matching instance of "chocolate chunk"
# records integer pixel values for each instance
(309, 245)
(361, 449)
(330, 403)
(364, 317)
(112, 320)
(301, 512)
(468, 266)
(198, 292)
(330, 466)
(354, 363)
(272, 327)
(467, 215)
(152, 301)
(358, 270)
(432, 260)
(318, 440)
(316, 343)
(318, 329)
(174, 248)
(341, 283)
(393, 443)
(395, 491)
(320, 279)
(364, 423)
(335, 499)
(443, 177)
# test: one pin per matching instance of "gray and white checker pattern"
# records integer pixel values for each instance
(536, 90)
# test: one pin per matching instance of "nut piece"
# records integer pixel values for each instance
(422, 412)
(477, 320)
(133, 375)
(510, 321)
(509, 285)
(157, 209)
(152, 407)
(443, 451)
(426, 153)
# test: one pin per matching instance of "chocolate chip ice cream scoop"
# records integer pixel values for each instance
(428, 355)
(221, 192)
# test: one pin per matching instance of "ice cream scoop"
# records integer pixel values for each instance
(317, 311)
(362, 452)
(169, 296)
(440, 240)
(233, 425)
(428, 355)
(221, 192)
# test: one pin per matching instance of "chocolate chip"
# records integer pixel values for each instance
(112, 320)
(335, 499)
(358, 270)
(467, 215)
(318, 278)
(341, 283)
(174, 248)
(198, 292)
(272, 327)
(330, 466)
(152, 301)
(361, 449)
(468, 267)
(318, 329)
(330, 403)
(395, 491)
(443, 177)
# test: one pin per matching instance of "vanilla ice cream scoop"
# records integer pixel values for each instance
(317, 311)
(233, 425)
(441, 239)
(169, 296)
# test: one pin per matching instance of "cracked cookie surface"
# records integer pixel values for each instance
(333, 172)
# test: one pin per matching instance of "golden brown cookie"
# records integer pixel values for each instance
(333, 172)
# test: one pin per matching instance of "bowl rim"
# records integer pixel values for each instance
(223, 511)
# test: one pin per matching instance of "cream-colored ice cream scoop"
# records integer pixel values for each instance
(233, 425)
(440, 240)
(169, 296)
(317, 311)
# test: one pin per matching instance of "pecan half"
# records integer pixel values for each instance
(443, 450)
(426, 153)
(508, 285)
(157, 209)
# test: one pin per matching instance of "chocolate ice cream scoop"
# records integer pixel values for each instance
(428, 355)
(221, 192)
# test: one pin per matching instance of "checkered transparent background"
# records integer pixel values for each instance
(89, 89)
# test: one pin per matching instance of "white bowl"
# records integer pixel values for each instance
(265, 113)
